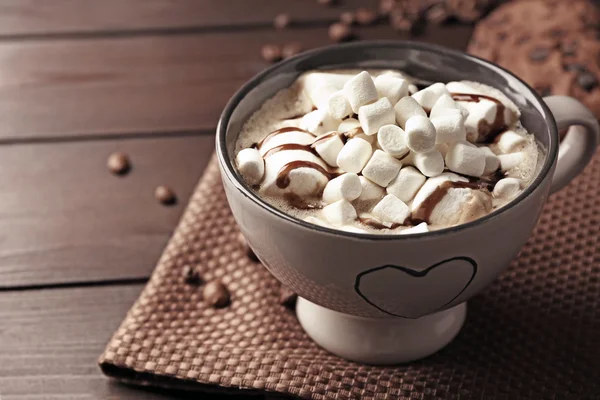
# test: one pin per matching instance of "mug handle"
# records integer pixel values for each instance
(579, 145)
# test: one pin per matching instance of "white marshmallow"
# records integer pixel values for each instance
(372, 139)
(465, 159)
(360, 90)
(412, 89)
(392, 140)
(296, 137)
(492, 162)
(428, 96)
(450, 128)
(446, 105)
(346, 187)
(316, 221)
(370, 191)
(511, 160)
(354, 155)
(432, 184)
(461, 87)
(338, 106)
(382, 168)
(391, 209)
(407, 108)
(420, 134)
(430, 164)
(374, 116)
(510, 141)
(392, 87)
(251, 165)
(339, 213)
(329, 149)
(318, 86)
(302, 181)
(442, 148)
(348, 124)
(421, 228)
(483, 110)
(319, 122)
(406, 184)
(507, 188)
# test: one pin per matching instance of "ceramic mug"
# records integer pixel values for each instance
(394, 298)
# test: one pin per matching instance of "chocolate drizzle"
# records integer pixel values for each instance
(300, 203)
(283, 177)
(425, 209)
(327, 136)
(487, 132)
(290, 146)
(279, 132)
(374, 223)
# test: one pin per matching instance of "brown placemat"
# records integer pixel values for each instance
(533, 334)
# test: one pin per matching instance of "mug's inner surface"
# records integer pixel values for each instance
(424, 62)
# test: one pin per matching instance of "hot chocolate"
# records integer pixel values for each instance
(378, 152)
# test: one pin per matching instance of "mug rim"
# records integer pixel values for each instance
(227, 164)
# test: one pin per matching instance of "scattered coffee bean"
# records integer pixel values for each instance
(282, 21)
(587, 81)
(216, 294)
(387, 6)
(271, 53)
(539, 54)
(165, 195)
(364, 16)
(191, 275)
(437, 14)
(118, 163)
(287, 298)
(347, 18)
(339, 32)
(291, 49)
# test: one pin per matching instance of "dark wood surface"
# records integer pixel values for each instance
(81, 79)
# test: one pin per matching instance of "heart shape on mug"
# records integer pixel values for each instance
(408, 293)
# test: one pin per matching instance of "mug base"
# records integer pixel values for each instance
(379, 340)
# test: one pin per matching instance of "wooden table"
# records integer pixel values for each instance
(79, 80)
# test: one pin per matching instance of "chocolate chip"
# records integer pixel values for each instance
(270, 53)
(165, 195)
(539, 54)
(291, 49)
(191, 275)
(437, 14)
(282, 21)
(216, 294)
(339, 32)
(364, 16)
(347, 18)
(118, 163)
(587, 81)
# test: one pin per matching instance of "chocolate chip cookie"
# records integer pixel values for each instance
(554, 45)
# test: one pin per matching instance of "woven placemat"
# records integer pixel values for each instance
(533, 334)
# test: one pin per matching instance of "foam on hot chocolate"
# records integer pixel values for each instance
(356, 151)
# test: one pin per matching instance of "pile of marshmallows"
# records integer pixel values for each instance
(394, 129)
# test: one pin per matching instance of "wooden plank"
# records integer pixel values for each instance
(51, 340)
(144, 84)
(56, 17)
(65, 218)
